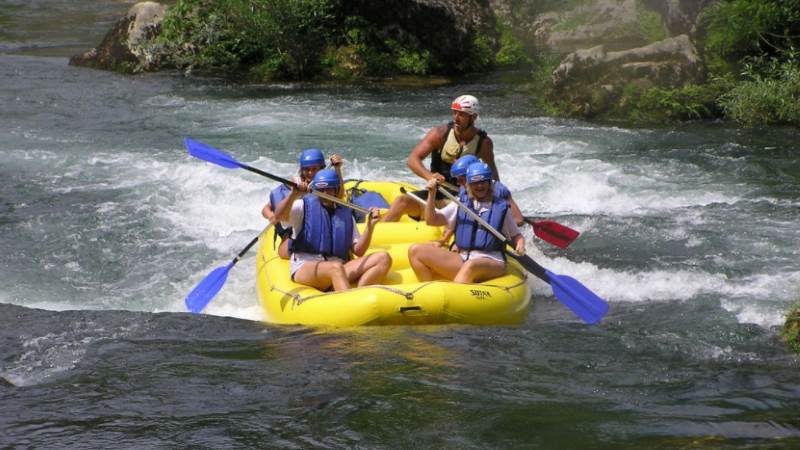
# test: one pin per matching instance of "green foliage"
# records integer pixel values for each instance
(737, 28)
(410, 60)
(279, 38)
(650, 23)
(511, 53)
(365, 52)
(769, 95)
(690, 102)
(480, 56)
(541, 82)
(790, 332)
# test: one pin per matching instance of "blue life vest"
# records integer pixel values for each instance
(470, 235)
(275, 198)
(500, 191)
(367, 199)
(277, 195)
(324, 233)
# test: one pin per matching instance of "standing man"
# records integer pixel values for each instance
(445, 144)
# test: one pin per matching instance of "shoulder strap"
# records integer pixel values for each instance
(481, 135)
(436, 155)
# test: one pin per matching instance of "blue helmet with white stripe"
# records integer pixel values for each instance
(326, 179)
(479, 171)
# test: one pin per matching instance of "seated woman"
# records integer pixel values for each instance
(324, 235)
(480, 256)
(311, 161)
(458, 171)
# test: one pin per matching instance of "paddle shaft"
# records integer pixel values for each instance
(529, 263)
(317, 193)
(246, 249)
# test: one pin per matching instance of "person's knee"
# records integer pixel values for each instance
(383, 260)
(337, 269)
(415, 252)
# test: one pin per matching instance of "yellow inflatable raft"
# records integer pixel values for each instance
(402, 299)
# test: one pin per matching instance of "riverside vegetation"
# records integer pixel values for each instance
(732, 59)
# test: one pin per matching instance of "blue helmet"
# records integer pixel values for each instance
(478, 171)
(459, 168)
(326, 179)
(311, 157)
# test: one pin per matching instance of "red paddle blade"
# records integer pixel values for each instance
(553, 232)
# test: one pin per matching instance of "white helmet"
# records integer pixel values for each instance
(467, 104)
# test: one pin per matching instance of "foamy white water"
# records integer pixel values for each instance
(666, 216)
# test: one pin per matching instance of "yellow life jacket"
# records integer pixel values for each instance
(442, 159)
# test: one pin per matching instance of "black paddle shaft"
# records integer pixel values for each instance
(246, 249)
(315, 192)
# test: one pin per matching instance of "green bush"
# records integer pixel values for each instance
(651, 25)
(275, 38)
(690, 102)
(737, 28)
(369, 54)
(769, 95)
(511, 53)
(790, 332)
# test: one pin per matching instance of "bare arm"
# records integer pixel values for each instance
(336, 162)
(515, 212)
(268, 213)
(486, 153)
(285, 206)
(432, 217)
(519, 244)
(432, 141)
(360, 247)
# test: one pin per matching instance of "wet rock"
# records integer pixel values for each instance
(125, 48)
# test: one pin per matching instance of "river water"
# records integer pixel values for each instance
(106, 224)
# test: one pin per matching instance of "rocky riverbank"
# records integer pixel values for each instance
(638, 60)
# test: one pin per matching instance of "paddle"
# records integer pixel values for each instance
(553, 232)
(202, 294)
(569, 291)
(207, 153)
(547, 230)
(212, 283)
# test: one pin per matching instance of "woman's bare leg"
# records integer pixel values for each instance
(479, 269)
(368, 270)
(323, 274)
(429, 260)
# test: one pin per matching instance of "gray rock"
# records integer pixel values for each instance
(125, 48)
(668, 63)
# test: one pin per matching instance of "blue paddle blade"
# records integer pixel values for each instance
(577, 297)
(207, 289)
(207, 153)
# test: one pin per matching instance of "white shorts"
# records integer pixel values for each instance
(475, 254)
(296, 261)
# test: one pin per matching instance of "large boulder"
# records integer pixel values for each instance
(671, 62)
(125, 48)
(594, 78)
